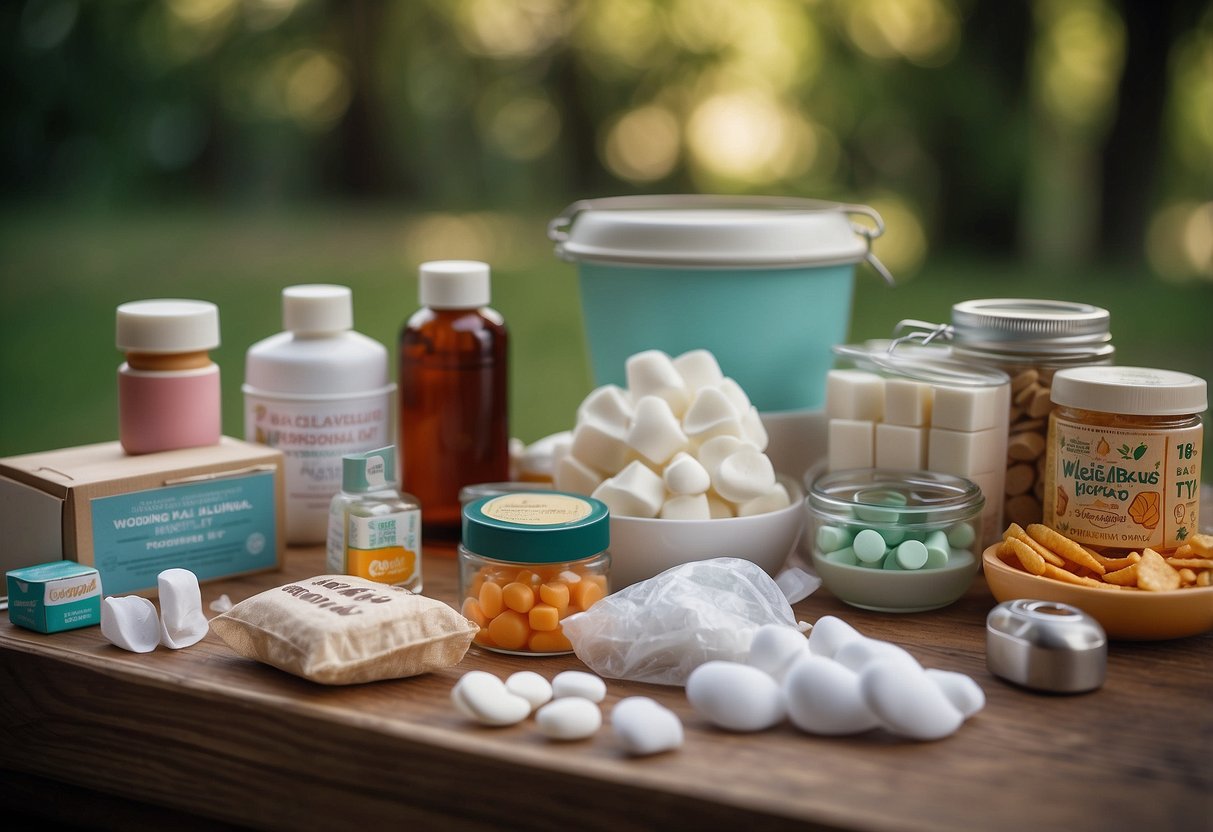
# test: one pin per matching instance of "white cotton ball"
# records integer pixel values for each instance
(698, 368)
(823, 697)
(655, 433)
(684, 475)
(735, 696)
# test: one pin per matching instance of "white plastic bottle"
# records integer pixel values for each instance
(317, 392)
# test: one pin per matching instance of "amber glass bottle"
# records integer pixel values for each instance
(454, 429)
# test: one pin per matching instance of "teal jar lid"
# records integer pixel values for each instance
(536, 527)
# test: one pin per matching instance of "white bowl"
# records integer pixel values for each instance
(643, 547)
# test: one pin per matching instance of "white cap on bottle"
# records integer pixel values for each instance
(454, 284)
(167, 326)
(316, 308)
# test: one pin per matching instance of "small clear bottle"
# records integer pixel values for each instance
(374, 530)
(1124, 457)
(527, 561)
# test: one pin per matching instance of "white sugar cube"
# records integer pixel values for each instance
(970, 408)
(907, 402)
(854, 394)
(655, 433)
(851, 444)
(967, 452)
(900, 447)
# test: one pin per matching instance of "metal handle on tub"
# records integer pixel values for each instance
(558, 227)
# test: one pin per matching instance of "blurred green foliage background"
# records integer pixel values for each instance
(223, 149)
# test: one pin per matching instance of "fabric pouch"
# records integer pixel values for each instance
(342, 630)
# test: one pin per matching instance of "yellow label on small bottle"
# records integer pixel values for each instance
(384, 548)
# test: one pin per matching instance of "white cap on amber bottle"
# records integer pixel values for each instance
(454, 284)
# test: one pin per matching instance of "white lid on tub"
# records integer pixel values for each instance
(167, 326)
(712, 232)
(1137, 391)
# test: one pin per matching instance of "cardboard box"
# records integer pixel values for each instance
(56, 596)
(215, 510)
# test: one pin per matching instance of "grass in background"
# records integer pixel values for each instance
(61, 278)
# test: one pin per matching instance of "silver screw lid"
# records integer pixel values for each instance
(1046, 646)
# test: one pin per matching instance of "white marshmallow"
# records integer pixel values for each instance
(715, 450)
(823, 697)
(744, 475)
(530, 686)
(854, 394)
(655, 432)
(907, 402)
(907, 702)
(686, 507)
(578, 683)
(718, 508)
(607, 405)
(571, 474)
(698, 368)
(735, 394)
(735, 696)
(182, 621)
(712, 414)
(569, 718)
(483, 697)
(652, 373)
(773, 500)
(775, 648)
(753, 430)
(644, 727)
(850, 444)
(600, 446)
(961, 690)
(130, 622)
(684, 475)
(636, 491)
(900, 447)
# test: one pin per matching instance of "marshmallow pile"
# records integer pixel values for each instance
(682, 442)
(833, 683)
(131, 622)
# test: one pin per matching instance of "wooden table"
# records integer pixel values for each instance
(214, 739)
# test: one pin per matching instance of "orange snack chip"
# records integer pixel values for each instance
(1155, 574)
(1064, 546)
(1028, 557)
(1123, 577)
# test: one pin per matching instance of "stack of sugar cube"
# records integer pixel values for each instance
(682, 442)
(906, 424)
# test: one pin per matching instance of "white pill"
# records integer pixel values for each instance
(652, 373)
(483, 697)
(530, 686)
(643, 726)
(773, 500)
(829, 635)
(571, 474)
(961, 690)
(711, 414)
(858, 654)
(686, 507)
(907, 702)
(753, 430)
(698, 368)
(735, 696)
(569, 718)
(775, 648)
(735, 394)
(130, 622)
(636, 491)
(601, 446)
(607, 405)
(744, 475)
(578, 683)
(684, 475)
(823, 697)
(655, 433)
(182, 621)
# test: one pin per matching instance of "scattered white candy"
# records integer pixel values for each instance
(961, 690)
(859, 653)
(684, 475)
(907, 702)
(644, 727)
(578, 683)
(743, 475)
(221, 604)
(483, 697)
(711, 414)
(652, 373)
(530, 686)
(735, 696)
(655, 432)
(636, 491)
(686, 507)
(182, 621)
(130, 622)
(829, 634)
(775, 648)
(569, 718)
(823, 697)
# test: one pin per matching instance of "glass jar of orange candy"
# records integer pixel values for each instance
(527, 561)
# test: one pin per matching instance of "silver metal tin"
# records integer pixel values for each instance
(1046, 645)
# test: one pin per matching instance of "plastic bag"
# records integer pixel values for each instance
(661, 629)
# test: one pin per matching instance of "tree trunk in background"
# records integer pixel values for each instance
(361, 169)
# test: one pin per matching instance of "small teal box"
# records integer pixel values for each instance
(56, 596)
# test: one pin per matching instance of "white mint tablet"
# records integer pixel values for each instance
(643, 726)
(753, 430)
(130, 622)
(735, 696)
(684, 475)
(569, 718)
(578, 683)
(530, 686)
(859, 653)
(698, 368)
(733, 392)
(182, 621)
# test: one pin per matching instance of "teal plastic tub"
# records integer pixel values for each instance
(764, 283)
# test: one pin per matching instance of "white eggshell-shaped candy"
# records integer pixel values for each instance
(775, 648)
(698, 368)
(636, 491)
(683, 475)
(643, 726)
(711, 414)
(823, 697)
(483, 697)
(735, 696)
(578, 683)
(716, 450)
(571, 474)
(655, 433)
(530, 686)
(858, 654)
(652, 373)
(130, 622)
(569, 718)
(961, 690)
(907, 702)
(182, 621)
(744, 475)
(829, 634)
(608, 405)
(600, 446)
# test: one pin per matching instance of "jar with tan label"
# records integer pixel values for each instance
(1124, 456)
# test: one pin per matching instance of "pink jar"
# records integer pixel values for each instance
(168, 388)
